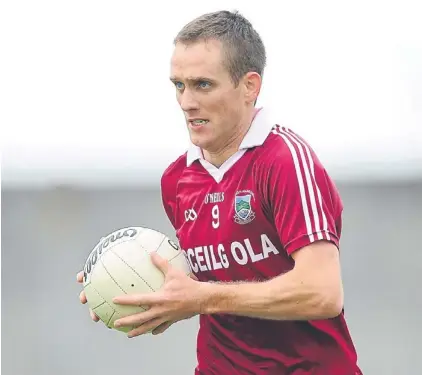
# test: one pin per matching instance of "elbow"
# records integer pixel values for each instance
(331, 303)
(332, 309)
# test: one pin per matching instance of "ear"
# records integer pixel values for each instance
(253, 83)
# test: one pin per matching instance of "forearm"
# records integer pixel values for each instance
(286, 297)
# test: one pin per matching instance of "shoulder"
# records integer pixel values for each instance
(287, 158)
(171, 176)
(174, 169)
(287, 161)
(284, 147)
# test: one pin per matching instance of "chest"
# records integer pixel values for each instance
(212, 206)
(224, 227)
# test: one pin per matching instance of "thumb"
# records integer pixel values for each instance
(159, 262)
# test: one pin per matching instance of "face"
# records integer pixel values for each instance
(215, 109)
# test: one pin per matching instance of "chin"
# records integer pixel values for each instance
(200, 140)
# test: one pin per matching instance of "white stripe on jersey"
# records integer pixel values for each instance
(290, 137)
(311, 163)
(300, 182)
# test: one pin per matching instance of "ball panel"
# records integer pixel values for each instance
(93, 297)
(108, 314)
(149, 239)
(103, 282)
(124, 275)
(168, 249)
(115, 238)
(180, 262)
(109, 279)
(104, 312)
(141, 264)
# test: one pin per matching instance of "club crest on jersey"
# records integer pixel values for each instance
(243, 207)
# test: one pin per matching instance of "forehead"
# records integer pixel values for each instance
(198, 59)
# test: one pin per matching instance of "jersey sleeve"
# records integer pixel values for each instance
(168, 197)
(302, 199)
(169, 189)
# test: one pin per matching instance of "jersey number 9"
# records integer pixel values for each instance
(215, 213)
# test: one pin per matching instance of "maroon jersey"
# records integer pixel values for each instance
(243, 221)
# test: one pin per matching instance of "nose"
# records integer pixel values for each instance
(188, 101)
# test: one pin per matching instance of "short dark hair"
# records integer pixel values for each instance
(243, 48)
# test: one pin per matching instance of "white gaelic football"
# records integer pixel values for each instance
(120, 264)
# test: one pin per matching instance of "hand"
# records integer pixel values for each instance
(180, 298)
(82, 297)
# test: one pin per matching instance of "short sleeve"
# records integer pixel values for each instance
(168, 197)
(302, 199)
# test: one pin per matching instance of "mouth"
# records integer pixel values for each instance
(198, 122)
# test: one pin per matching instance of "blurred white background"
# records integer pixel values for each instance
(86, 97)
(89, 121)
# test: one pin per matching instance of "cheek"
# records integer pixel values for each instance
(231, 106)
(224, 103)
(178, 97)
(223, 107)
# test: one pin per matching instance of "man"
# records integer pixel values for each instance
(257, 216)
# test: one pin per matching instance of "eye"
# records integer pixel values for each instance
(179, 85)
(204, 84)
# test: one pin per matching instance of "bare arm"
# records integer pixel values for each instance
(312, 290)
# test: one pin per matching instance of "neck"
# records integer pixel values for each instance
(218, 156)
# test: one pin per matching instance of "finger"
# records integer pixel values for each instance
(159, 262)
(80, 277)
(162, 327)
(82, 297)
(146, 327)
(141, 300)
(94, 317)
(136, 319)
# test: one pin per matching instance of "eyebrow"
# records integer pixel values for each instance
(192, 79)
